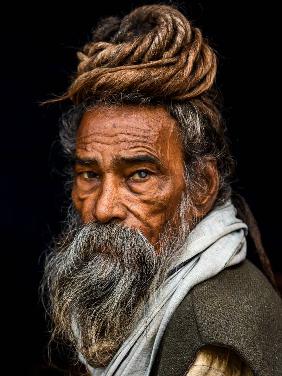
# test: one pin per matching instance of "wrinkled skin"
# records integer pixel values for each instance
(129, 168)
(137, 192)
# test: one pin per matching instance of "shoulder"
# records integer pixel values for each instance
(240, 309)
(236, 309)
(242, 291)
(242, 283)
(239, 298)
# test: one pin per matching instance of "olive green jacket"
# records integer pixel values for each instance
(238, 309)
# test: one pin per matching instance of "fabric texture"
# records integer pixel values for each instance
(216, 243)
(238, 309)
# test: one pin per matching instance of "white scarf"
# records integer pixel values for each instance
(217, 242)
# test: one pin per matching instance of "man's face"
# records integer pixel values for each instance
(129, 167)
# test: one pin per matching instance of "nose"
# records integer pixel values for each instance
(108, 205)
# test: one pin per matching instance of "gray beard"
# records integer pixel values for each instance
(98, 278)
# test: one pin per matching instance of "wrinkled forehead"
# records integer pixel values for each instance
(129, 126)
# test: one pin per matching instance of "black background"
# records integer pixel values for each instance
(38, 45)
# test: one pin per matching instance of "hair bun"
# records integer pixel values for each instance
(154, 51)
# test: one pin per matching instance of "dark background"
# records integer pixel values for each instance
(38, 45)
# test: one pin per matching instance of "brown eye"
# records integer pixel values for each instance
(141, 175)
(88, 175)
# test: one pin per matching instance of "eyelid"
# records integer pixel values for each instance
(142, 169)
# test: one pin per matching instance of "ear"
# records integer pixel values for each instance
(208, 186)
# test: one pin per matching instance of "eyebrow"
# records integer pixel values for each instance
(144, 158)
(85, 161)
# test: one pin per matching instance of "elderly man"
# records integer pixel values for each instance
(150, 276)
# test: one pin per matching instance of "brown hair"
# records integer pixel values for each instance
(154, 51)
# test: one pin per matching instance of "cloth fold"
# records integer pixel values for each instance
(217, 242)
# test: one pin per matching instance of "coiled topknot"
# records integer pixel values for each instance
(153, 51)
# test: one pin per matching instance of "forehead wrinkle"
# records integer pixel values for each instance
(133, 146)
(152, 138)
(149, 149)
(125, 121)
(118, 139)
(153, 134)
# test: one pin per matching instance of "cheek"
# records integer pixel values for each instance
(82, 205)
(159, 204)
(75, 199)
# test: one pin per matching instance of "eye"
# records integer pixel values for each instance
(140, 175)
(88, 175)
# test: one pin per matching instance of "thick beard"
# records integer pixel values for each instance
(98, 278)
